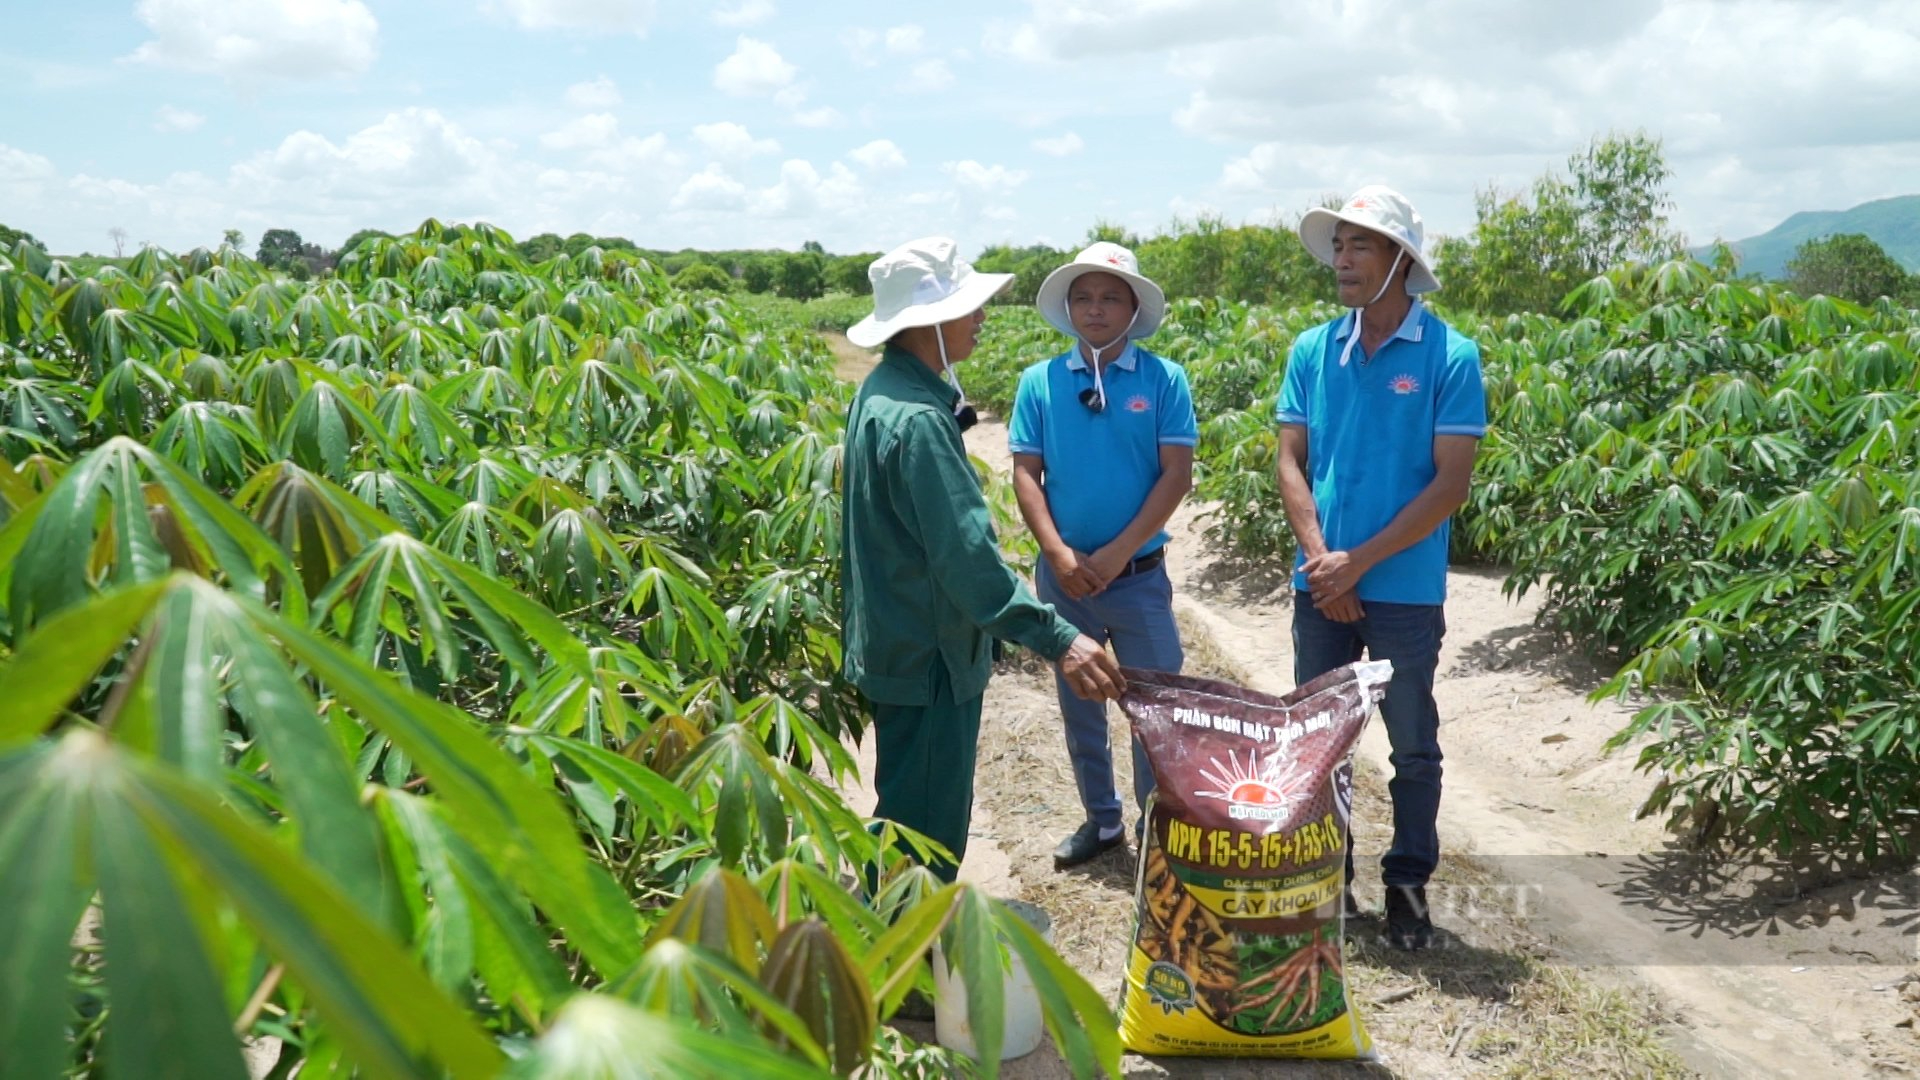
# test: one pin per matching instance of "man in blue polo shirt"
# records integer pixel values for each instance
(1102, 439)
(1380, 415)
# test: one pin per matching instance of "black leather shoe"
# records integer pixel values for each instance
(1350, 905)
(1409, 926)
(1085, 844)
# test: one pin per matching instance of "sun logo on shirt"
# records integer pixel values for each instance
(1138, 403)
(1404, 384)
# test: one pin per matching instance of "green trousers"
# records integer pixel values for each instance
(923, 768)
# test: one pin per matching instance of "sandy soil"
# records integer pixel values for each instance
(1760, 968)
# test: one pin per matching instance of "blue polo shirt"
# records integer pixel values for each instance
(1370, 428)
(1099, 467)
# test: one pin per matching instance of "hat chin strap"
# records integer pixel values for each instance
(1347, 353)
(946, 368)
(1099, 387)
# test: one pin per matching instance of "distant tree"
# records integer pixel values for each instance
(1526, 252)
(234, 238)
(1850, 266)
(800, 276)
(757, 274)
(119, 237)
(364, 234)
(1029, 266)
(538, 249)
(10, 237)
(1248, 263)
(703, 277)
(278, 247)
(1113, 233)
(848, 274)
(813, 247)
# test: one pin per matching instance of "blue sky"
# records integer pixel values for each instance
(766, 123)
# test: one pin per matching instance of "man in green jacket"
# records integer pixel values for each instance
(924, 590)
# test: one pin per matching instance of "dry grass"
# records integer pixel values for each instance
(1490, 1003)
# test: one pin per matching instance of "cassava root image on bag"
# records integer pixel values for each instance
(1238, 944)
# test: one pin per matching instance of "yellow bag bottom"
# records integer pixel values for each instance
(1160, 1015)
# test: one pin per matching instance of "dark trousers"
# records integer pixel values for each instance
(923, 768)
(1409, 636)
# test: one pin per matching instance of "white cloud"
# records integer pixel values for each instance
(599, 93)
(583, 133)
(985, 179)
(731, 141)
(259, 39)
(1060, 145)
(630, 16)
(173, 120)
(824, 116)
(802, 191)
(637, 156)
(791, 97)
(928, 76)
(710, 189)
(879, 155)
(24, 177)
(745, 13)
(413, 148)
(863, 45)
(905, 40)
(754, 69)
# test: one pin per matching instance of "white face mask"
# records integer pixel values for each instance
(1354, 335)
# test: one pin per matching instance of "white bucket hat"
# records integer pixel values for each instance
(1106, 258)
(922, 282)
(1383, 210)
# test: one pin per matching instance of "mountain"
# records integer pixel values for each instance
(1894, 224)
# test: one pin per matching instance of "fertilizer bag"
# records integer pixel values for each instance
(1237, 947)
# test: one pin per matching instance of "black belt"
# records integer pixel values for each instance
(1143, 564)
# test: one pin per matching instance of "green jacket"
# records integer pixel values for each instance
(921, 578)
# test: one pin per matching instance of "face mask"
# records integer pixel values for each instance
(1354, 335)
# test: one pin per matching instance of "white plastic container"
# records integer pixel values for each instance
(1022, 1029)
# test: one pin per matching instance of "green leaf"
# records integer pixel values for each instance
(598, 1038)
(809, 971)
(166, 999)
(63, 655)
(43, 891)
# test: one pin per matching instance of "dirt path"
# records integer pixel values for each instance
(1550, 886)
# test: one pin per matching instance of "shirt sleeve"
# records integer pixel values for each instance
(1178, 426)
(1295, 398)
(1461, 406)
(937, 495)
(1026, 433)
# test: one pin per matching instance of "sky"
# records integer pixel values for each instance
(768, 123)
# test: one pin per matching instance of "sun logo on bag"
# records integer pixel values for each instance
(1253, 790)
(1404, 384)
(1138, 403)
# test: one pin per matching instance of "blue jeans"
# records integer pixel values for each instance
(1409, 635)
(1136, 614)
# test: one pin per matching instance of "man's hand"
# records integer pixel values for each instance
(1107, 563)
(1091, 672)
(1341, 607)
(1332, 573)
(1070, 568)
